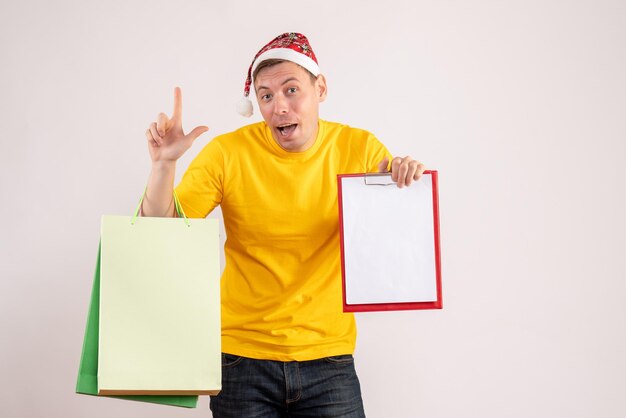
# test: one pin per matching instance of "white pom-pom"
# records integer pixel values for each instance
(244, 107)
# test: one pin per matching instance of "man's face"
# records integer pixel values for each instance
(289, 102)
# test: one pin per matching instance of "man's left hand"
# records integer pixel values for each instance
(403, 170)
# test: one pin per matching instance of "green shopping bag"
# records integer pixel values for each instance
(87, 382)
(154, 277)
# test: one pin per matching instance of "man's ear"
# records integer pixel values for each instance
(321, 87)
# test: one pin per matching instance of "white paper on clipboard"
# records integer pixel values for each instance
(388, 240)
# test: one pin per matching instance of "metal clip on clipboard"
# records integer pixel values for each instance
(378, 179)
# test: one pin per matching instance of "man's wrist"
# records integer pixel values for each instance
(163, 165)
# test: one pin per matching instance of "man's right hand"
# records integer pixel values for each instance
(166, 140)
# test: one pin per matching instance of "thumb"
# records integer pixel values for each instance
(382, 166)
(197, 131)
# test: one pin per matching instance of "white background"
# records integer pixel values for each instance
(520, 105)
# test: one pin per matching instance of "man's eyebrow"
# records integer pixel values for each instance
(282, 84)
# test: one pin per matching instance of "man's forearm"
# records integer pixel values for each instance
(159, 199)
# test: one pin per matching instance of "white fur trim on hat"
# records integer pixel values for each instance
(288, 54)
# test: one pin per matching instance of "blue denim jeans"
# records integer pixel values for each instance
(327, 387)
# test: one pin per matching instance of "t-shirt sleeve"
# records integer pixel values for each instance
(201, 188)
(375, 152)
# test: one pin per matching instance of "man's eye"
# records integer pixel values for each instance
(292, 90)
(266, 97)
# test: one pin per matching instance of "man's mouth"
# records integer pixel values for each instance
(287, 129)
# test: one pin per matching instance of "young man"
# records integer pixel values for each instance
(287, 344)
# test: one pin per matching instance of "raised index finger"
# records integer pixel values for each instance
(178, 105)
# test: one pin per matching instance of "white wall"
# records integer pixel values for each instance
(520, 105)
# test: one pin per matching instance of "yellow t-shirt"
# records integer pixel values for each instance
(281, 286)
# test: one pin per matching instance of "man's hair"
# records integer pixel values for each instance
(275, 61)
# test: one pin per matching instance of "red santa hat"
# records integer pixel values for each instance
(289, 46)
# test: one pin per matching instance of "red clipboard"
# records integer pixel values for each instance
(423, 268)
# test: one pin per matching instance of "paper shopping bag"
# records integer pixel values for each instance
(160, 330)
(87, 382)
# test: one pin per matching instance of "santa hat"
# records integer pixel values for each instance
(289, 46)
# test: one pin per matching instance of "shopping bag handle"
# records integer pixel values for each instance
(179, 208)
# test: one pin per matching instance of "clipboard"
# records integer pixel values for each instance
(390, 249)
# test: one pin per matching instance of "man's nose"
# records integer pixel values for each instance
(280, 105)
